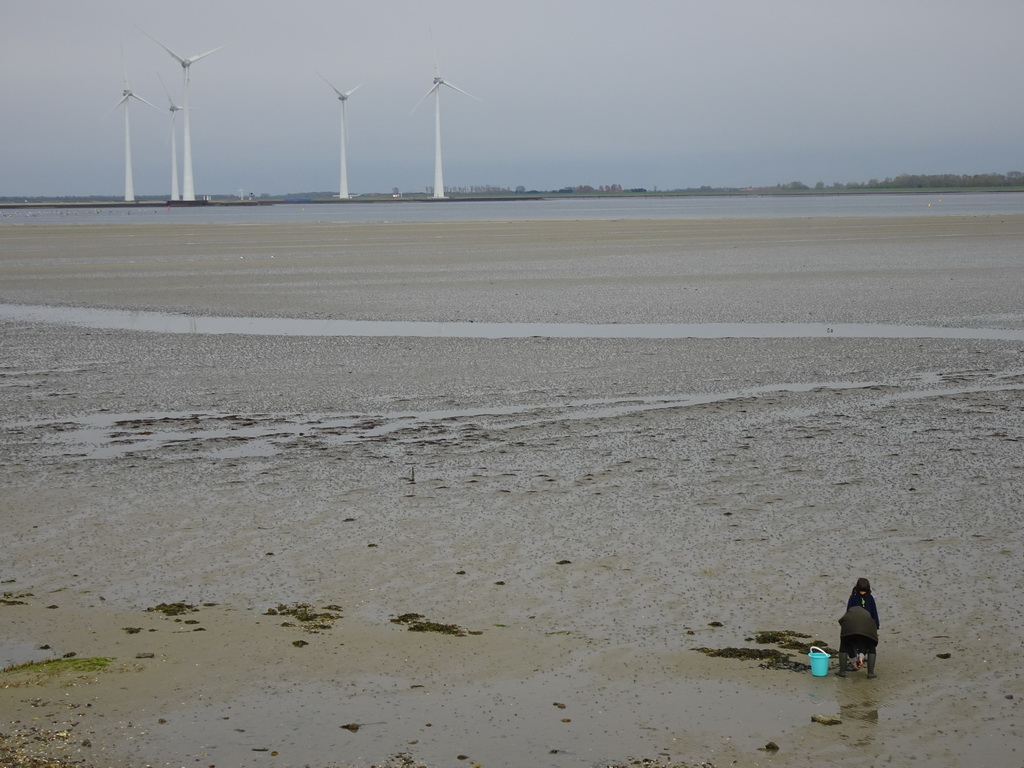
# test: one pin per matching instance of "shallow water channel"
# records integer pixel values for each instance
(161, 322)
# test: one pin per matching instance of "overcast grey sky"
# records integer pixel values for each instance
(652, 93)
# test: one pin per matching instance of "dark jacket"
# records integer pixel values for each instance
(857, 621)
(867, 602)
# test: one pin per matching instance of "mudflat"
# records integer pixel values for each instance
(576, 516)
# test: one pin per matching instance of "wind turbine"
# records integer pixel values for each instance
(174, 109)
(436, 90)
(342, 97)
(127, 96)
(188, 184)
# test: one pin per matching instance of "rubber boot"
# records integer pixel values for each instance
(871, 665)
(841, 672)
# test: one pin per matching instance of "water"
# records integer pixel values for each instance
(560, 208)
(164, 322)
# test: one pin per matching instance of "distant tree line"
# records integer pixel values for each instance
(923, 181)
(946, 180)
(605, 189)
(1012, 179)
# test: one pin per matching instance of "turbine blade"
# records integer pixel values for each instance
(433, 52)
(434, 88)
(124, 69)
(154, 106)
(349, 93)
(169, 99)
(113, 108)
(340, 94)
(193, 59)
(455, 87)
(175, 56)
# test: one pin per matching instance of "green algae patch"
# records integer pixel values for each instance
(41, 672)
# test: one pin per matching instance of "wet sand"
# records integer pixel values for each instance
(583, 504)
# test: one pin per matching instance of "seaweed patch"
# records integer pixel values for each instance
(756, 654)
(173, 609)
(790, 640)
(308, 617)
(417, 623)
(773, 658)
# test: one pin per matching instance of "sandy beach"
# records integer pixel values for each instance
(587, 512)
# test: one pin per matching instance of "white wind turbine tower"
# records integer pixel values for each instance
(188, 184)
(174, 109)
(342, 97)
(436, 90)
(127, 96)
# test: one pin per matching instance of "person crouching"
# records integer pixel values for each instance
(858, 639)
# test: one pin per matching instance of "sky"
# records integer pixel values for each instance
(660, 94)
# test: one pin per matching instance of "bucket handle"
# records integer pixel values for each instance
(816, 648)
